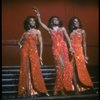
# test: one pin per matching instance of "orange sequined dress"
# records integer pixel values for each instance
(63, 75)
(83, 75)
(29, 51)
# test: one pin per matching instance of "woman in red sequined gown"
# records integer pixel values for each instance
(31, 80)
(78, 37)
(64, 68)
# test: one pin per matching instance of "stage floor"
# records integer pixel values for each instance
(70, 97)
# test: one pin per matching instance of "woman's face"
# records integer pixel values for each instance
(55, 21)
(76, 22)
(32, 22)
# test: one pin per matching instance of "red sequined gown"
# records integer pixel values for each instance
(63, 75)
(29, 52)
(83, 75)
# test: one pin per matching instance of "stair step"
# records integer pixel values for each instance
(18, 79)
(44, 66)
(18, 74)
(9, 74)
(9, 92)
(11, 70)
(14, 85)
(9, 79)
(10, 85)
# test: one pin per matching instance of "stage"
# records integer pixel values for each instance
(71, 97)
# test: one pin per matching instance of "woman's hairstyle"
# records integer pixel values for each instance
(71, 25)
(27, 25)
(51, 24)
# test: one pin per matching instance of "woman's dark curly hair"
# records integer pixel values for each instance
(71, 25)
(51, 24)
(27, 25)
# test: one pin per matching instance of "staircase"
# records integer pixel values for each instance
(10, 76)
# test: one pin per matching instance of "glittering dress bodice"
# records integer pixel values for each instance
(30, 40)
(76, 40)
(58, 38)
(58, 44)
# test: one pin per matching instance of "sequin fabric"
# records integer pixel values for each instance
(63, 73)
(83, 75)
(29, 51)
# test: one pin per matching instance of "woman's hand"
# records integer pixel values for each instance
(71, 50)
(86, 59)
(36, 11)
(20, 46)
(41, 62)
